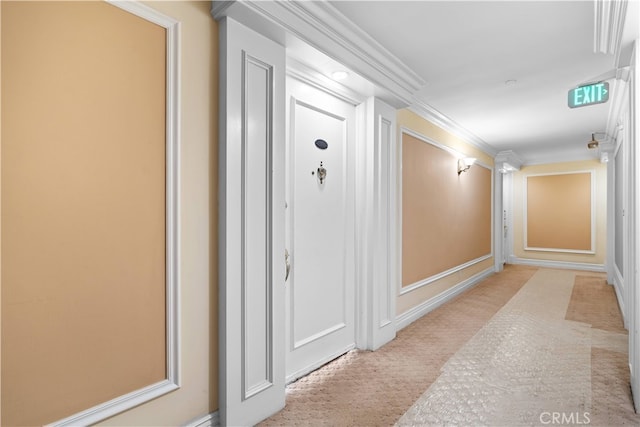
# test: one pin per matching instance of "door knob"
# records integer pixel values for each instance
(322, 173)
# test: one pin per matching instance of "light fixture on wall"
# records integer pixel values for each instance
(593, 143)
(465, 163)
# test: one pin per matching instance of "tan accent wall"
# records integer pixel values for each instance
(82, 298)
(559, 211)
(198, 393)
(600, 214)
(441, 218)
(446, 217)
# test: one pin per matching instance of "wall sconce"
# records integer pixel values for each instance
(465, 163)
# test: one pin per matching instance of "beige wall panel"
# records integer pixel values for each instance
(198, 393)
(83, 207)
(559, 211)
(446, 217)
(600, 211)
(411, 121)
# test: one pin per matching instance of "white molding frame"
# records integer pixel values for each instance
(324, 28)
(423, 138)
(172, 382)
(415, 313)
(436, 117)
(584, 266)
(592, 251)
(209, 420)
(621, 292)
(435, 277)
(632, 244)
(405, 289)
(377, 204)
(315, 79)
(608, 26)
(507, 195)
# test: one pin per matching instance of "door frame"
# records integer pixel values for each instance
(377, 199)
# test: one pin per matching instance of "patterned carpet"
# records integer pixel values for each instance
(522, 342)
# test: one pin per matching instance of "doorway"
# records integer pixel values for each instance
(320, 234)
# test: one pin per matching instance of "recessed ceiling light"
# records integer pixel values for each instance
(510, 82)
(339, 75)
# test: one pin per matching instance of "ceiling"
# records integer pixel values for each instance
(500, 70)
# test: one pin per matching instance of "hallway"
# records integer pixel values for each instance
(522, 347)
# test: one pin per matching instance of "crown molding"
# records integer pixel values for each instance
(609, 24)
(313, 78)
(324, 28)
(507, 161)
(436, 117)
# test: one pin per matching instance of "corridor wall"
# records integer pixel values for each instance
(83, 321)
(446, 218)
(578, 214)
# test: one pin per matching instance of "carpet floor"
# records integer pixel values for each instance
(541, 340)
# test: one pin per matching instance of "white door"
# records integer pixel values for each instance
(320, 225)
(252, 271)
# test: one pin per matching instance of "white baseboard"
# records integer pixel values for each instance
(413, 314)
(210, 420)
(557, 264)
(618, 286)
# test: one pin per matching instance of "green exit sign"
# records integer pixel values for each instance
(596, 93)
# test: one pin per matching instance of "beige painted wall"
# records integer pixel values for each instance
(446, 217)
(600, 176)
(198, 395)
(198, 218)
(558, 211)
(83, 213)
(409, 120)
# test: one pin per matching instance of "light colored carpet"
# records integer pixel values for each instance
(378, 388)
(525, 363)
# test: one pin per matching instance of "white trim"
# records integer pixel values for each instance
(557, 264)
(143, 395)
(609, 17)
(610, 258)
(446, 148)
(429, 113)
(209, 420)
(317, 80)
(117, 405)
(435, 277)
(323, 27)
(632, 242)
(508, 157)
(497, 229)
(566, 251)
(413, 314)
(591, 251)
(507, 194)
(621, 292)
(618, 105)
